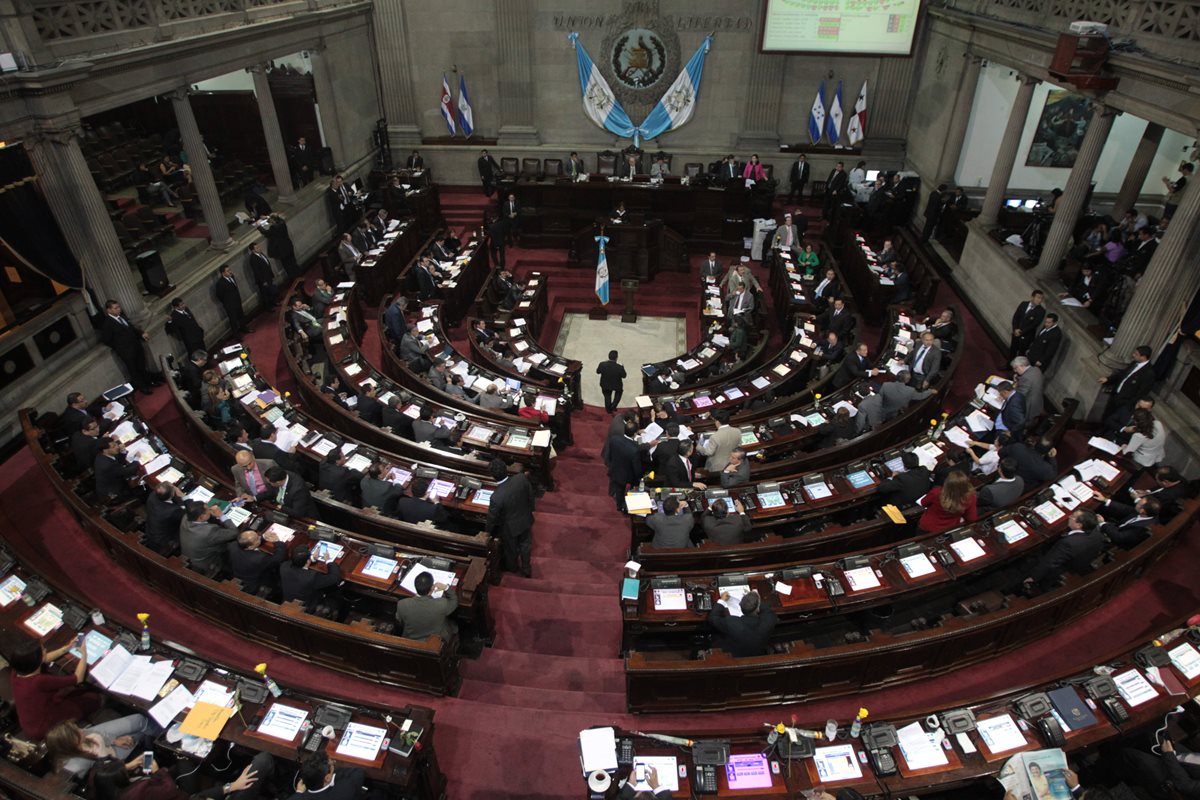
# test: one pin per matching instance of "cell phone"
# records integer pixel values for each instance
(79, 640)
(147, 761)
(639, 773)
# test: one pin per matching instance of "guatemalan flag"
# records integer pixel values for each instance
(602, 271)
(679, 102)
(599, 103)
(466, 116)
(447, 104)
(856, 131)
(816, 117)
(835, 116)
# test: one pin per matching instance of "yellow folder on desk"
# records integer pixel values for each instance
(894, 514)
(206, 720)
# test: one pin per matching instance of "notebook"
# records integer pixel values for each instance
(1073, 711)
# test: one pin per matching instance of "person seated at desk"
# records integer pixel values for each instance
(575, 166)
(989, 461)
(379, 493)
(1147, 444)
(740, 305)
(414, 508)
(753, 170)
(112, 779)
(43, 700)
(836, 318)
(529, 409)
(437, 374)
(316, 591)
(1073, 552)
(111, 472)
(949, 505)
(322, 296)
(1036, 464)
(944, 329)
(289, 491)
(677, 473)
(507, 290)
(925, 362)
(1088, 288)
(493, 397)
(426, 430)
(426, 273)
(886, 254)
(336, 478)
(363, 237)
(249, 474)
(457, 387)
(1135, 520)
(842, 428)
(319, 775)
(86, 443)
(394, 417)
(854, 367)
(305, 323)
(202, 541)
(901, 283)
(710, 267)
(481, 332)
(672, 525)
(336, 391)
(787, 237)
(828, 290)
(1170, 489)
(1005, 490)
(252, 565)
(737, 345)
(722, 528)
(191, 377)
(657, 790)
(218, 403)
(737, 471)
(412, 348)
(747, 635)
(831, 349)
(809, 260)
(349, 255)
(906, 487)
(75, 750)
(267, 447)
(424, 615)
(379, 224)
(164, 512)
(620, 214)
(629, 167)
(660, 168)
(1011, 417)
(75, 415)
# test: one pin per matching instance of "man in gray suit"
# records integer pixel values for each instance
(925, 363)
(719, 445)
(249, 474)
(424, 615)
(898, 394)
(1031, 384)
(722, 528)
(411, 346)
(737, 471)
(202, 541)
(673, 525)
(1006, 489)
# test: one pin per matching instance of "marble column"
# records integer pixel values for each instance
(956, 134)
(331, 127)
(202, 177)
(395, 71)
(764, 95)
(79, 208)
(1006, 157)
(276, 149)
(888, 95)
(515, 45)
(1076, 190)
(1139, 168)
(1162, 295)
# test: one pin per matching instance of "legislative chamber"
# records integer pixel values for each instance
(766, 399)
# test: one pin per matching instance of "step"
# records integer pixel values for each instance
(542, 698)
(529, 669)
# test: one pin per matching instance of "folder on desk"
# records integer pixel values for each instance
(1072, 710)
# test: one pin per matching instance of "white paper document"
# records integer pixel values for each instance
(919, 752)
(1100, 443)
(1134, 688)
(598, 749)
(1000, 734)
(282, 722)
(169, 707)
(361, 741)
(836, 763)
(861, 578)
(111, 667)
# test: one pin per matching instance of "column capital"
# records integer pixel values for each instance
(57, 134)
(179, 93)
(259, 68)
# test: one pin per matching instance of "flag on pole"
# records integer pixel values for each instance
(599, 103)
(466, 116)
(835, 116)
(816, 117)
(857, 129)
(602, 271)
(447, 103)
(679, 102)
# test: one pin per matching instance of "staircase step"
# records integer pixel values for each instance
(541, 698)
(530, 669)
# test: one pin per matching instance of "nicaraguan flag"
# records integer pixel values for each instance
(602, 272)
(856, 130)
(679, 102)
(834, 122)
(447, 103)
(466, 116)
(599, 102)
(816, 117)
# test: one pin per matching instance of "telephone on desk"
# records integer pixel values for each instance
(705, 780)
(701, 599)
(748, 502)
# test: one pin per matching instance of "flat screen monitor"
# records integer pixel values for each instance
(1014, 202)
(771, 499)
(895, 465)
(1030, 205)
(748, 771)
(845, 27)
(872, 174)
(860, 479)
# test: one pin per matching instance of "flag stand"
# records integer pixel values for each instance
(629, 287)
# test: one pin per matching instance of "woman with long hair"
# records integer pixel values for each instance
(113, 780)
(1147, 445)
(949, 505)
(75, 749)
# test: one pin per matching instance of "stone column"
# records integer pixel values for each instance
(887, 99)
(956, 134)
(1076, 190)
(327, 107)
(274, 136)
(516, 84)
(1007, 155)
(764, 94)
(79, 209)
(1139, 168)
(1165, 290)
(202, 177)
(400, 108)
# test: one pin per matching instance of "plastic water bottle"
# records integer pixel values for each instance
(831, 730)
(856, 725)
(642, 485)
(145, 638)
(272, 686)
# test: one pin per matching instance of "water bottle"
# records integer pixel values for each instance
(856, 725)
(831, 730)
(642, 485)
(272, 686)
(145, 638)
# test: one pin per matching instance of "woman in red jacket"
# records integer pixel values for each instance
(949, 505)
(529, 409)
(754, 170)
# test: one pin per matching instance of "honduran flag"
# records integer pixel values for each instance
(447, 105)
(835, 116)
(816, 117)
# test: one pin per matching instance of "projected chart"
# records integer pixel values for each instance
(840, 26)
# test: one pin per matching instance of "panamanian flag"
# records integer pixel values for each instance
(447, 103)
(816, 117)
(856, 130)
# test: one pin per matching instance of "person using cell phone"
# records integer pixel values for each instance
(114, 780)
(650, 777)
(42, 699)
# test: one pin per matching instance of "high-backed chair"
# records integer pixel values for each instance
(531, 169)
(606, 163)
(693, 169)
(552, 167)
(509, 166)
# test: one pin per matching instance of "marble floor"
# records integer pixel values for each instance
(648, 340)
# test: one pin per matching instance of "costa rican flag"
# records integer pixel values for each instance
(447, 105)
(816, 117)
(856, 131)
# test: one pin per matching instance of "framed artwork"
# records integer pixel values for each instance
(1060, 130)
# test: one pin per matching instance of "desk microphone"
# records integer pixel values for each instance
(664, 738)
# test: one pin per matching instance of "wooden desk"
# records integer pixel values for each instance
(468, 273)
(380, 268)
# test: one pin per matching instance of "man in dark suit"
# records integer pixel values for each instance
(628, 167)
(837, 319)
(426, 282)
(624, 464)
(925, 362)
(798, 178)
(1089, 288)
(183, 326)
(1134, 523)
(1012, 414)
(341, 203)
(721, 527)
(1026, 321)
(574, 166)
(164, 512)
(673, 525)
(854, 367)
(125, 340)
(303, 162)
(415, 161)
(75, 415)
(414, 508)
(510, 517)
(1005, 490)
(728, 170)
(368, 405)
(111, 472)
(907, 487)
(288, 491)
(612, 377)
(510, 212)
(489, 171)
(933, 211)
(252, 565)
(678, 472)
(87, 443)
(1035, 465)
(1045, 344)
(336, 478)
(379, 493)
(230, 299)
(267, 448)
(831, 349)
(1127, 385)
(311, 588)
(827, 290)
(362, 237)
(835, 188)
(259, 266)
(393, 318)
(668, 446)
(1073, 552)
(710, 267)
(747, 635)
(191, 377)
(319, 776)
(393, 417)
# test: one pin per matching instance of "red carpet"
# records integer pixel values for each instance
(554, 668)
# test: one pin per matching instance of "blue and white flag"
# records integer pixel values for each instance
(447, 104)
(599, 102)
(816, 117)
(834, 125)
(466, 116)
(602, 271)
(679, 102)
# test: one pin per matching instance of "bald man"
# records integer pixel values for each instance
(249, 474)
